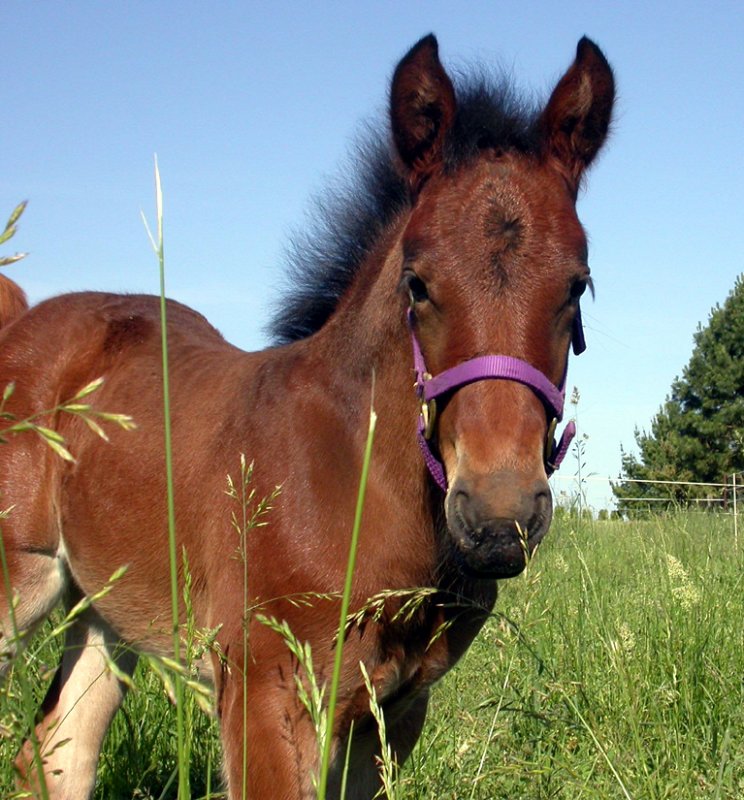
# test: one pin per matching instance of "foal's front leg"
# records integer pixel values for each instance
(404, 721)
(281, 749)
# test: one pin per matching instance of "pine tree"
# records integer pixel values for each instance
(698, 434)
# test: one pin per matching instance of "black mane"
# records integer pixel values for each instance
(349, 218)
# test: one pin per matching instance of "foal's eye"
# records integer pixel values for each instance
(415, 287)
(578, 288)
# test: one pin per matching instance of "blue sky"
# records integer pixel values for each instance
(252, 107)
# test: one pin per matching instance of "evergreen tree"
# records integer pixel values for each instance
(698, 434)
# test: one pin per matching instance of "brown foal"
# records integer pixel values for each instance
(467, 218)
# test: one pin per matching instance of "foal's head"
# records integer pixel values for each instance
(494, 261)
(473, 214)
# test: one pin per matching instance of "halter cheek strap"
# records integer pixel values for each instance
(429, 388)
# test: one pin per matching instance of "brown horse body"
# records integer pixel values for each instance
(488, 251)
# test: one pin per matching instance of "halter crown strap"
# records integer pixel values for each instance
(491, 367)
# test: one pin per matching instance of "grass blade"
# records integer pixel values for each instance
(345, 599)
(158, 246)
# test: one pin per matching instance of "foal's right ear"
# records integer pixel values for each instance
(575, 121)
(422, 109)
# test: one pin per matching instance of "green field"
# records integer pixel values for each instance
(614, 668)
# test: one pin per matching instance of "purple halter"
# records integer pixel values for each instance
(429, 387)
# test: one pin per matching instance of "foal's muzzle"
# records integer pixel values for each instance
(495, 520)
(496, 528)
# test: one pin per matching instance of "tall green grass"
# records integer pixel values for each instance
(612, 668)
(158, 246)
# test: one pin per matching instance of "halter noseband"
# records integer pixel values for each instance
(429, 387)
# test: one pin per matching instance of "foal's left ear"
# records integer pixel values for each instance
(575, 121)
(422, 109)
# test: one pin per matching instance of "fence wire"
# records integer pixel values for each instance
(723, 498)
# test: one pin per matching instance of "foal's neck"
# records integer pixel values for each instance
(367, 340)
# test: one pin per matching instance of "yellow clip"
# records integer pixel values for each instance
(429, 414)
(549, 439)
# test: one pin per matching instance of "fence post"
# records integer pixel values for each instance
(736, 525)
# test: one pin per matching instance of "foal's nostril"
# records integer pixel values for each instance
(475, 526)
(464, 510)
(543, 510)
